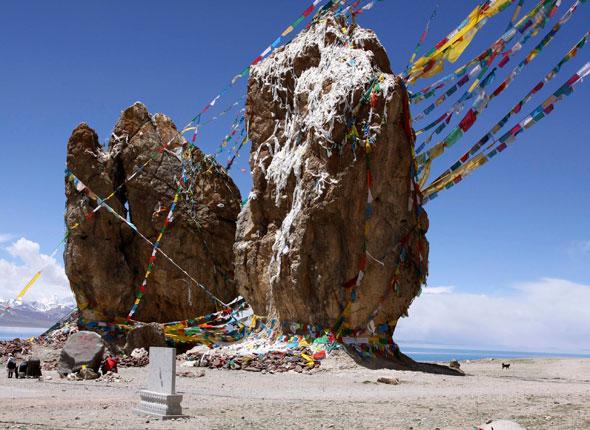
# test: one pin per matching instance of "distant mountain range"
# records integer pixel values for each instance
(32, 314)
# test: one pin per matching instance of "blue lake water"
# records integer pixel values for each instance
(442, 354)
(8, 333)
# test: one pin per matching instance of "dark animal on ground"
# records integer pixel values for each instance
(505, 366)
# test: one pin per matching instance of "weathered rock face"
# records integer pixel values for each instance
(300, 238)
(106, 260)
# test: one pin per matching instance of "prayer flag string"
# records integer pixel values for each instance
(516, 108)
(479, 71)
(452, 46)
(193, 124)
(545, 7)
(483, 99)
(541, 111)
(515, 14)
(422, 39)
(153, 255)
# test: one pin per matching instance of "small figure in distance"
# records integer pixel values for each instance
(505, 366)
(11, 365)
(22, 369)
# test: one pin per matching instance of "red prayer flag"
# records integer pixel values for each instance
(501, 88)
(468, 120)
(504, 60)
(441, 43)
(573, 79)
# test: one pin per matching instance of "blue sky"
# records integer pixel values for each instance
(520, 219)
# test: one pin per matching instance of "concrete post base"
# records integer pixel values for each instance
(162, 406)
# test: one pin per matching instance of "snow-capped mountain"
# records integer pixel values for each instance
(33, 314)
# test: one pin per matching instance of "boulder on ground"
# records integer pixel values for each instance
(106, 260)
(389, 381)
(145, 336)
(34, 368)
(82, 349)
(87, 373)
(328, 122)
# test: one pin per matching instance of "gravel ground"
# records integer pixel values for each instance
(537, 393)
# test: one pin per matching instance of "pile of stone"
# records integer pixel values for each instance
(270, 362)
(57, 338)
(139, 357)
(51, 364)
(17, 347)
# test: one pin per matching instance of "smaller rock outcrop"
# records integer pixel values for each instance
(145, 336)
(82, 349)
(106, 261)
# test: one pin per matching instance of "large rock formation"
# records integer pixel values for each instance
(300, 238)
(106, 260)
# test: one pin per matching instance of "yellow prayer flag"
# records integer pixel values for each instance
(473, 85)
(287, 31)
(458, 47)
(29, 285)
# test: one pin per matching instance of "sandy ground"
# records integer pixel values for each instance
(538, 394)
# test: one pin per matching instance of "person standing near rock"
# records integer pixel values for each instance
(11, 365)
(22, 369)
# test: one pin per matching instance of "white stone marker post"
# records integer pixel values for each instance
(160, 399)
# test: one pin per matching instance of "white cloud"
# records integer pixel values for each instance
(438, 290)
(546, 315)
(27, 260)
(5, 237)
